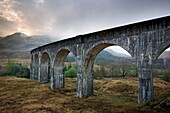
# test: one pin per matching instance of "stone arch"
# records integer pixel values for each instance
(158, 53)
(109, 43)
(36, 66)
(162, 49)
(97, 47)
(93, 51)
(45, 68)
(58, 80)
(88, 65)
(98, 44)
(32, 57)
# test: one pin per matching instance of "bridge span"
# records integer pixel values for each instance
(144, 41)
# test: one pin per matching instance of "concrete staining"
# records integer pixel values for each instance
(145, 41)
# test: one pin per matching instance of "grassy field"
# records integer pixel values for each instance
(19, 95)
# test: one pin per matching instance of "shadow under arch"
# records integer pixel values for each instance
(58, 75)
(36, 66)
(45, 68)
(89, 63)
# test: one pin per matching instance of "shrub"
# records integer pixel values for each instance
(15, 69)
(166, 76)
(71, 73)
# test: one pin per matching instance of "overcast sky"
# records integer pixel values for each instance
(67, 18)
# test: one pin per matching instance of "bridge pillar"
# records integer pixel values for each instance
(84, 85)
(81, 86)
(31, 68)
(144, 66)
(52, 80)
(39, 67)
(57, 77)
(84, 80)
(145, 80)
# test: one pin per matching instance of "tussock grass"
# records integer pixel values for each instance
(19, 95)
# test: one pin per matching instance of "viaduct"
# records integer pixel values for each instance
(144, 41)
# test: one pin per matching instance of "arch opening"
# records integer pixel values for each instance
(45, 68)
(64, 67)
(161, 68)
(114, 62)
(100, 62)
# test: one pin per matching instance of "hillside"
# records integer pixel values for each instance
(107, 58)
(22, 42)
(18, 45)
(114, 53)
(19, 95)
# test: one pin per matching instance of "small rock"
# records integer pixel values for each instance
(164, 104)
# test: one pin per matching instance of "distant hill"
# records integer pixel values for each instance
(19, 45)
(114, 53)
(105, 58)
(22, 42)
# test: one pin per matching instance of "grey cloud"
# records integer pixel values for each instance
(65, 18)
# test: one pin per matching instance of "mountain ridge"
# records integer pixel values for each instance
(19, 45)
(21, 42)
(118, 54)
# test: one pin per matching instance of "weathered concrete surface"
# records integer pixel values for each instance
(144, 40)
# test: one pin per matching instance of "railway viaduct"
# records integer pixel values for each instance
(144, 41)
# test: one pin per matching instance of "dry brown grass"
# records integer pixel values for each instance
(19, 95)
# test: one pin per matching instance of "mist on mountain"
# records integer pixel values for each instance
(21, 42)
(19, 45)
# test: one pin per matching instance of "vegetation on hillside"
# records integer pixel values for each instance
(120, 69)
(21, 42)
(107, 65)
(104, 58)
(163, 74)
(18, 45)
(15, 69)
(115, 70)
